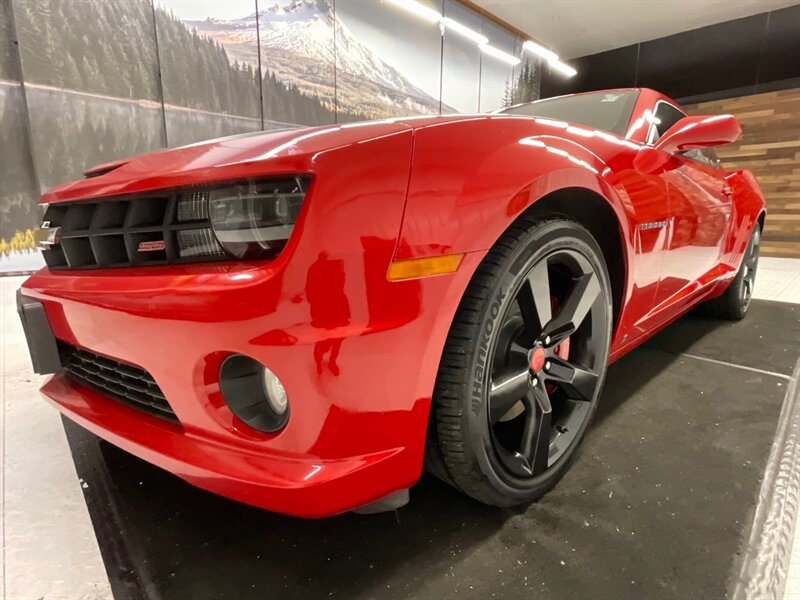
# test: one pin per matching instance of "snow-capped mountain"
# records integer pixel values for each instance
(297, 39)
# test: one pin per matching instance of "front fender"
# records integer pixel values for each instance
(461, 202)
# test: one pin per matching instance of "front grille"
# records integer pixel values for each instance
(173, 228)
(119, 381)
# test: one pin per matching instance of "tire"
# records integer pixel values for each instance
(732, 305)
(516, 367)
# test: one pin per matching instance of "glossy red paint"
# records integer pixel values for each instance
(357, 353)
(699, 131)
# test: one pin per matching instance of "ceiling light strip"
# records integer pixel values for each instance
(499, 54)
(539, 50)
(562, 68)
(550, 56)
(468, 33)
(418, 9)
(433, 16)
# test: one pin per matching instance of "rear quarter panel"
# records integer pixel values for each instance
(748, 205)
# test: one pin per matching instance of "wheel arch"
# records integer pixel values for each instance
(594, 203)
(594, 212)
(583, 206)
(587, 205)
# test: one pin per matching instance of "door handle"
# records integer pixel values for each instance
(727, 191)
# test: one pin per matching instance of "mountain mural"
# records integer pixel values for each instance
(297, 39)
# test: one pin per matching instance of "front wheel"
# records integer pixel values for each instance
(523, 365)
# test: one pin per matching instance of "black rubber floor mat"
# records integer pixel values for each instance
(768, 338)
(655, 506)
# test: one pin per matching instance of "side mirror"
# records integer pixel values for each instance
(691, 133)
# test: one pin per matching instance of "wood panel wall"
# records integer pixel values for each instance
(770, 148)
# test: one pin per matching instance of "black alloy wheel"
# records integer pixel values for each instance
(735, 301)
(546, 370)
(524, 364)
(749, 268)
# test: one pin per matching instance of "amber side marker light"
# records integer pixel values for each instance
(423, 267)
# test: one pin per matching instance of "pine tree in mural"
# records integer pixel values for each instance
(508, 94)
(523, 88)
(86, 52)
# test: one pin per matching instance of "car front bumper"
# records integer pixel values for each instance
(299, 485)
(359, 389)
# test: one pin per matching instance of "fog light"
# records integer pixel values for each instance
(253, 393)
(276, 395)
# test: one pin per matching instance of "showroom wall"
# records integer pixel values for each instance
(748, 67)
(770, 148)
(94, 80)
(735, 58)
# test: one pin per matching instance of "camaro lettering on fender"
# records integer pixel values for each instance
(653, 225)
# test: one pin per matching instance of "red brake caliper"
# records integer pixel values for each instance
(562, 350)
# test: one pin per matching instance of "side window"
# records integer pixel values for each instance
(707, 156)
(711, 156)
(665, 117)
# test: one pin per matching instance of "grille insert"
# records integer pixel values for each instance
(152, 230)
(119, 381)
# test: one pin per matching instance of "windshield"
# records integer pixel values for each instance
(608, 111)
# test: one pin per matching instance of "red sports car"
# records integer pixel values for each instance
(304, 319)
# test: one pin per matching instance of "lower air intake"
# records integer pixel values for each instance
(119, 381)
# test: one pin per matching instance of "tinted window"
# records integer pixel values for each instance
(666, 116)
(706, 156)
(711, 155)
(609, 111)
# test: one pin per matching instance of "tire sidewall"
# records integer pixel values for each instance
(755, 238)
(738, 310)
(540, 242)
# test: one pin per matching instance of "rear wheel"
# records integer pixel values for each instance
(733, 304)
(523, 365)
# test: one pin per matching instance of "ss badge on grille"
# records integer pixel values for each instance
(50, 236)
(152, 246)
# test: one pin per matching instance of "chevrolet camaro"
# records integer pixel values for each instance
(304, 319)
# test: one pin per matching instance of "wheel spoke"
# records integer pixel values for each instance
(519, 350)
(548, 360)
(534, 299)
(508, 388)
(751, 256)
(574, 310)
(577, 382)
(535, 448)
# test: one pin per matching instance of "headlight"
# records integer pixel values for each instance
(255, 219)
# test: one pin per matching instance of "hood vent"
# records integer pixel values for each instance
(104, 168)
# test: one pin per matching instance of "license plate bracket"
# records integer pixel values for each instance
(42, 344)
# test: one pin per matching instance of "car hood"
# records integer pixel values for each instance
(248, 155)
(259, 154)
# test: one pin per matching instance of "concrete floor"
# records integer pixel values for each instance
(49, 548)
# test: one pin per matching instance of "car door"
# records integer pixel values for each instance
(700, 204)
(700, 212)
